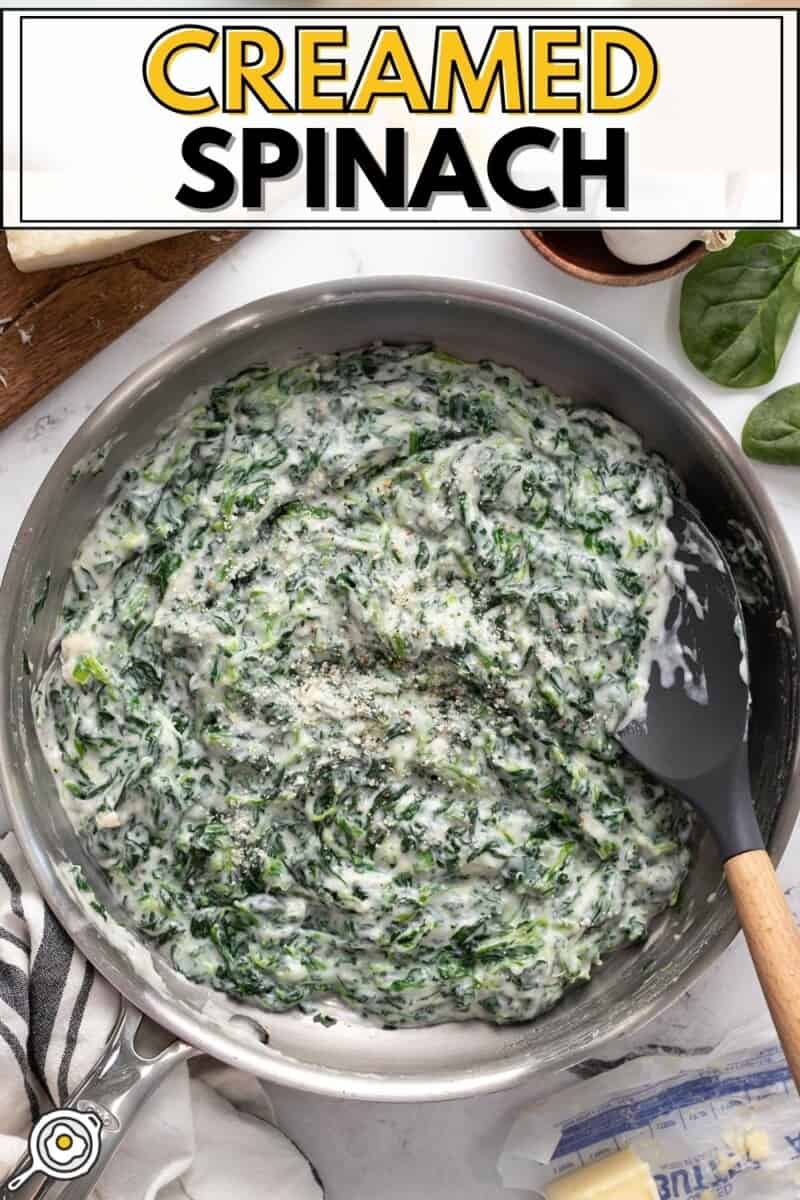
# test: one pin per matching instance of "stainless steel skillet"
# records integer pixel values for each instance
(575, 356)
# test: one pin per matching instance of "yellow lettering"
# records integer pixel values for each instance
(157, 63)
(546, 69)
(245, 74)
(311, 69)
(500, 64)
(641, 87)
(389, 53)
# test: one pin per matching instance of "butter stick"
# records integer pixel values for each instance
(621, 1176)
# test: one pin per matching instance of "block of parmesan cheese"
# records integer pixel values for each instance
(621, 1176)
(37, 249)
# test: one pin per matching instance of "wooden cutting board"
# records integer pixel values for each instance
(52, 322)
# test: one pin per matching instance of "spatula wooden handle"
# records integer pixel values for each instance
(774, 942)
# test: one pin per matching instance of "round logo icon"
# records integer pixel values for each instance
(64, 1144)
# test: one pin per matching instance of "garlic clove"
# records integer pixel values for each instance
(718, 239)
(641, 247)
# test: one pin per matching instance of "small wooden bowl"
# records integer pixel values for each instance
(583, 253)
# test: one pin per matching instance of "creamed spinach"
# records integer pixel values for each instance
(340, 667)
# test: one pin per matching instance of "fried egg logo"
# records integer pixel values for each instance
(64, 1144)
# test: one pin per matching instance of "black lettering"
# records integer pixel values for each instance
(317, 168)
(613, 168)
(223, 180)
(255, 171)
(447, 147)
(498, 167)
(353, 155)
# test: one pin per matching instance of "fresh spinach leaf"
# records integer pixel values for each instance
(772, 431)
(739, 306)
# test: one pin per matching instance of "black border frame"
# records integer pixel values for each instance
(42, 12)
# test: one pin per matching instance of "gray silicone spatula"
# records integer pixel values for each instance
(701, 750)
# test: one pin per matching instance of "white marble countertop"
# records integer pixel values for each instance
(442, 1151)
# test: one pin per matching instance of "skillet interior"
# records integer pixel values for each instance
(574, 356)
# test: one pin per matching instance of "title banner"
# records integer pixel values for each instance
(379, 117)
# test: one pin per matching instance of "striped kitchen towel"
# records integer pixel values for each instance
(205, 1134)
